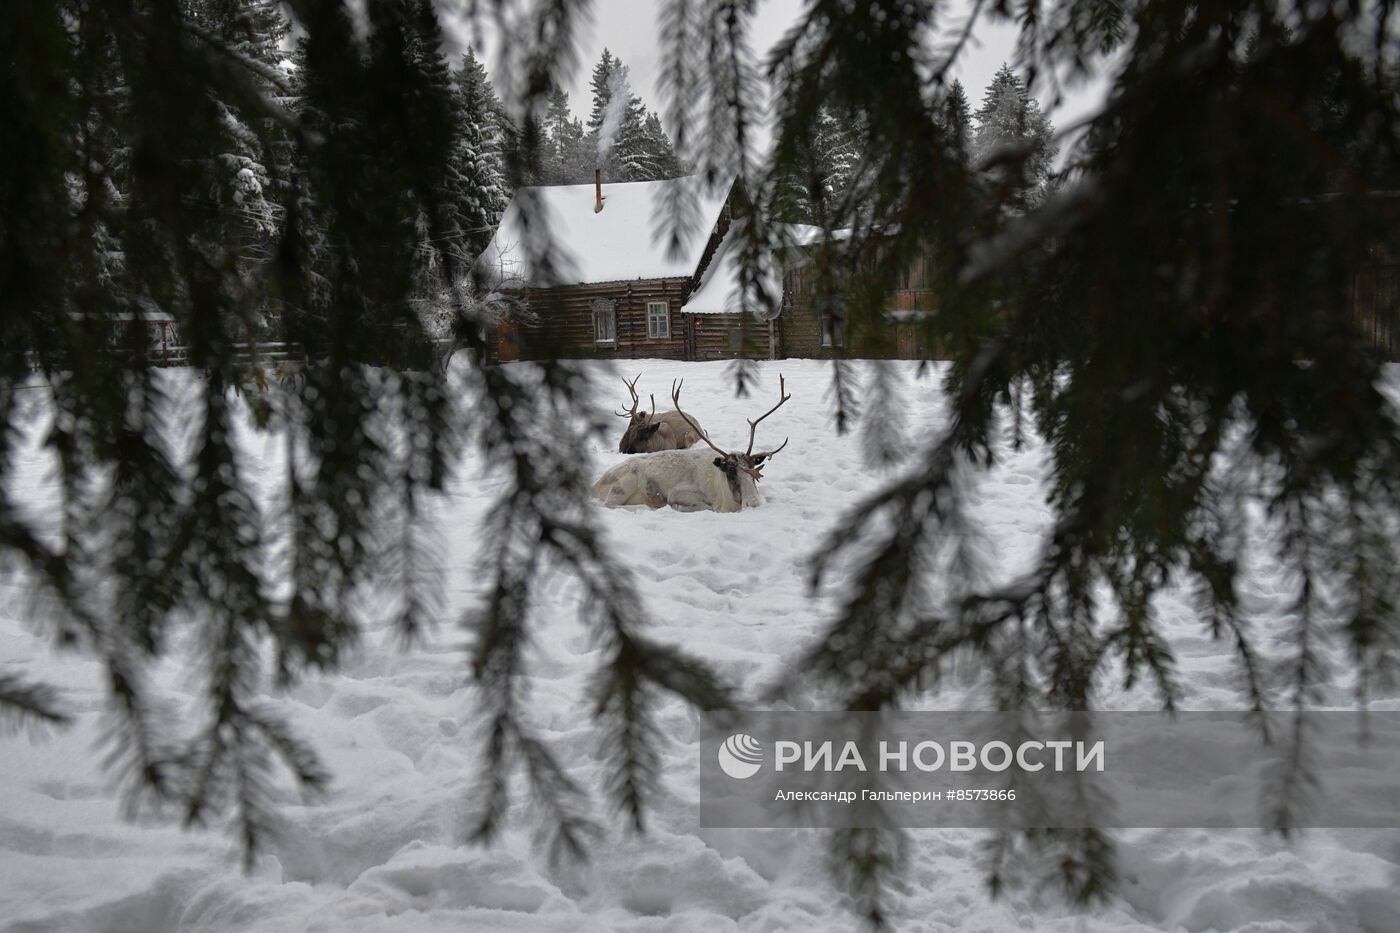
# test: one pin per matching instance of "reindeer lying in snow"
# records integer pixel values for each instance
(647, 431)
(256, 377)
(691, 480)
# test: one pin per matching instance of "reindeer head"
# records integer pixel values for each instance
(732, 463)
(640, 425)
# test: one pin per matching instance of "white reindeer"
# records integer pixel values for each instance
(647, 431)
(691, 480)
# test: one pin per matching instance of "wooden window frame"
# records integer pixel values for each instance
(664, 316)
(604, 309)
(833, 337)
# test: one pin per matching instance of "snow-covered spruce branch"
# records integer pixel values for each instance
(28, 705)
(239, 72)
(261, 69)
(543, 521)
(863, 861)
(1056, 217)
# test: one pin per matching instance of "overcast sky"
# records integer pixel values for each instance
(629, 29)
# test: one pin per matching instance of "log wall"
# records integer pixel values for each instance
(730, 336)
(565, 327)
(801, 323)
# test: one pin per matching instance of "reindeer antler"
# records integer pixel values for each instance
(753, 425)
(765, 454)
(631, 390)
(676, 400)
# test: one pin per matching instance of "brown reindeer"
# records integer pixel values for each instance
(287, 372)
(648, 432)
(691, 480)
(291, 372)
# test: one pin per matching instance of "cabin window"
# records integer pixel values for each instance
(658, 319)
(833, 333)
(833, 321)
(605, 322)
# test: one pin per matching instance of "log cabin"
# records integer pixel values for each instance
(722, 323)
(806, 322)
(613, 287)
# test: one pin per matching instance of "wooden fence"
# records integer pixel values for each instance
(160, 341)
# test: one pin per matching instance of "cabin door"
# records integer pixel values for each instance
(507, 341)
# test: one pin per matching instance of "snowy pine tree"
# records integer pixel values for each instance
(451, 222)
(601, 85)
(838, 148)
(250, 29)
(632, 156)
(616, 123)
(558, 121)
(792, 195)
(957, 121)
(253, 167)
(828, 155)
(476, 157)
(1011, 128)
(629, 143)
(566, 161)
(576, 155)
(484, 109)
(658, 144)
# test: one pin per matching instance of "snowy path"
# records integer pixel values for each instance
(384, 853)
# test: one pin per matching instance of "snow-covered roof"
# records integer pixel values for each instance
(626, 240)
(719, 291)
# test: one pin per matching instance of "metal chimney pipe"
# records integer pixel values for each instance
(598, 188)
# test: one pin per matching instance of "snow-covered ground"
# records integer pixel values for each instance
(385, 851)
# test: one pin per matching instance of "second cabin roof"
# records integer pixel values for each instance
(720, 291)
